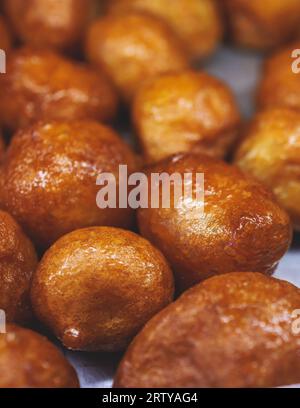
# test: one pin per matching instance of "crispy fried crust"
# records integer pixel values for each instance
(96, 288)
(49, 178)
(242, 227)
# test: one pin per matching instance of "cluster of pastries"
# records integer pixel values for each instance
(186, 294)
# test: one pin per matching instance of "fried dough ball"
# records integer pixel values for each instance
(132, 48)
(50, 173)
(18, 262)
(240, 228)
(233, 330)
(271, 153)
(262, 24)
(57, 24)
(41, 85)
(196, 22)
(185, 111)
(29, 360)
(280, 85)
(5, 39)
(95, 288)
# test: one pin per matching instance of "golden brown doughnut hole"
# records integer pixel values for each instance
(49, 178)
(42, 85)
(242, 227)
(185, 111)
(96, 288)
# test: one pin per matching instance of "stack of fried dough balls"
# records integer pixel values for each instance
(260, 24)
(102, 277)
(185, 111)
(197, 22)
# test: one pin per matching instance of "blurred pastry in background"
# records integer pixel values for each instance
(270, 152)
(185, 111)
(132, 48)
(196, 22)
(260, 24)
(280, 83)
(57, 24)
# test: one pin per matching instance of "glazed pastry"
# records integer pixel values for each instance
(280, 84)
(132, 48)
(236, 226)
(262, 24)
(42, 85)
(271, 153)
(18, 262)
(196, 22)
(185, 111)
(49, 177)
(233, 330)
(95, 288)
(57, 24)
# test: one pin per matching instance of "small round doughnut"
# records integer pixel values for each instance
(236, 226)
(49, 177)
(95, 288)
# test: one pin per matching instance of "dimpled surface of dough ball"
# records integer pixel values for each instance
(95, 288)
(49, 177)
(233, 330)
(241, 227)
